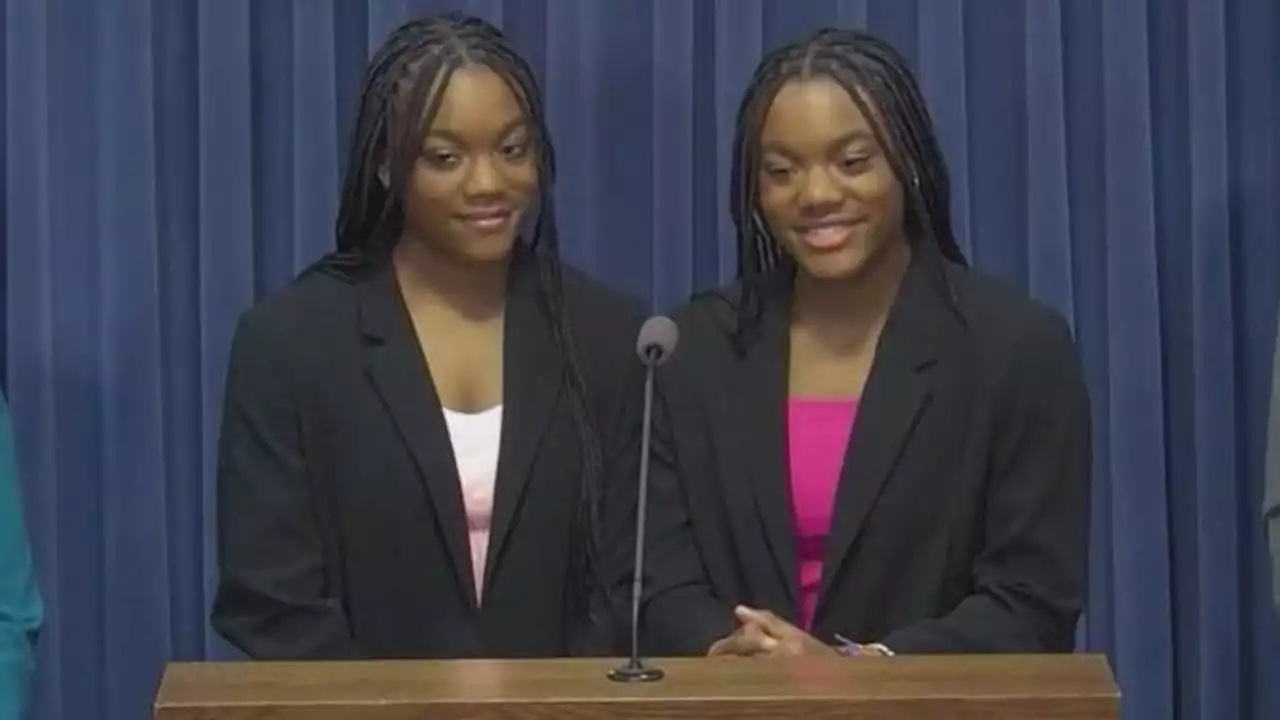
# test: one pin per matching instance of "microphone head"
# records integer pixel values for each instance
(657, 340)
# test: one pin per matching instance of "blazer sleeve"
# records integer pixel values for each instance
(21, 609)
(273, 600)
(681, 613)
(1271, 503)
(605, 631)
(1029, 575)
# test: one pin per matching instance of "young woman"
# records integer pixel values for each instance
(413, 442)
(865, 447)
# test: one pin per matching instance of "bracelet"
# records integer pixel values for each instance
(849, 648)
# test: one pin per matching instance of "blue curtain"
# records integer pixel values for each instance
(167, 162)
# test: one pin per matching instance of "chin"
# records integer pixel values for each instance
(832, 274)
(484, 250)
(833, 266)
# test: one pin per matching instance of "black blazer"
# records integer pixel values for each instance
(341, 529)
(960, 521)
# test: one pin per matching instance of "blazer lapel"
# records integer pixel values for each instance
(400, 376)
(762, 392)
(896, 394)
(532, 376)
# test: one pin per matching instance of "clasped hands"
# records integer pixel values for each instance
(764, 634)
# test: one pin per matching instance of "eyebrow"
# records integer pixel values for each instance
(849, 137)
(506, 130)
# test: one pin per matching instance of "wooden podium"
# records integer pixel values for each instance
(1057, 687)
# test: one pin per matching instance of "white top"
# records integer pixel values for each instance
(476, 438)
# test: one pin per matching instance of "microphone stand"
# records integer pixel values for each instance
(635, 670)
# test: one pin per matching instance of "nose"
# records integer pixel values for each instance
(819, 190)
(484, 178)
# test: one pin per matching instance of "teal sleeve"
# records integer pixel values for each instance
(21, 610)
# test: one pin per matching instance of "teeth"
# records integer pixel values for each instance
(827, 234)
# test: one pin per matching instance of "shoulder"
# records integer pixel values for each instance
(604, 320)
(1021, 350)
(998, 305)
(1007, 326)
(604, 323)
(299, 317)
(1003, 327)
(715, 308)
(594, 303)
(710, 322)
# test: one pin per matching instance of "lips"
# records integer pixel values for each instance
(826, 235)
(487, 220)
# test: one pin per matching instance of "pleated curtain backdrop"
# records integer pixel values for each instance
(168, 162)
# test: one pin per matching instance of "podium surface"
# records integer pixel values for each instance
(991, 687)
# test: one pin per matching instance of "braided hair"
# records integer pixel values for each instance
(879, 80)
(403, 86)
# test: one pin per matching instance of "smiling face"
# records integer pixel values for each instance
(476, 174)
(827, 191)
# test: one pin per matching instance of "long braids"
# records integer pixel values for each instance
(880, 81)
(405, 81)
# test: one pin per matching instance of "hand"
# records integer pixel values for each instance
(747, 641)
(763, 633)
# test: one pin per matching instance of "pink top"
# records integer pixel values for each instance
(817, 434)
(476, 439)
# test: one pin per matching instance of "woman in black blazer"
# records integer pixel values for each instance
(863, 447)
(413, 443)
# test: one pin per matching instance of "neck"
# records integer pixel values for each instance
(848, 314)
(428, 278)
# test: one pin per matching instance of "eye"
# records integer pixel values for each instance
(440, 158)
(776, 170)
(855, 164)
(515, 150)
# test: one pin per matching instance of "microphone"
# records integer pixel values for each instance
(654, 345)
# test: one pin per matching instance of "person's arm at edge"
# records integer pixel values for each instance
(21, 608)
(1271, 503)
